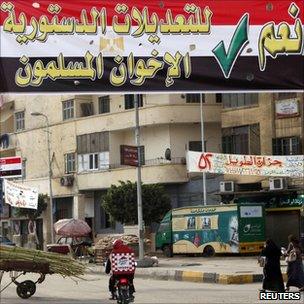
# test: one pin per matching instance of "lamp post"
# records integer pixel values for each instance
(203, 149)
(139, 192)
(50, 170)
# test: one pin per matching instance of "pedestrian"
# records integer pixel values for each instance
(272, 279)
(295, 271)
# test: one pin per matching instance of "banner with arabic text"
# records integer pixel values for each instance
(20, 196)
(138, 46)
(287, 165)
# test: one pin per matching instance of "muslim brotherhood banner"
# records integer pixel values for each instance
(20, 196)
(108, 46)
(291, 166)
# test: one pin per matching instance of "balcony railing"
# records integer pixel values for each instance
(151, 162)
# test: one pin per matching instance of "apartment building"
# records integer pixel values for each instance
(87, 137)
(267, 124)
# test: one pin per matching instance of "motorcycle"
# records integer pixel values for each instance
(122, 290)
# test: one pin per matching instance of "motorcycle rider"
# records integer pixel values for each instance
(119, 246)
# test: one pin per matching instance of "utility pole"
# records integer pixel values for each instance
(50, 171)
(139, 192)
(203, 149)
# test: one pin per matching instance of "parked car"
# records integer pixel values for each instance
(6, 241)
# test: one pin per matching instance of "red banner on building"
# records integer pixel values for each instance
(133, 46)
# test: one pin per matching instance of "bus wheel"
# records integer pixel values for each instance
(208, 251)
(167, 250)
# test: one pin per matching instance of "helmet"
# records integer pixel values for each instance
(117, 243)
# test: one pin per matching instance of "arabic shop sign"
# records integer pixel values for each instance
(291, 166)
(86, 46)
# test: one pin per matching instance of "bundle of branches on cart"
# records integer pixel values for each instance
(58, 263)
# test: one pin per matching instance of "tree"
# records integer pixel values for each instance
(33, 214)
(120, 202)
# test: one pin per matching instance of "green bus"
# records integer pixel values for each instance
(212, 229)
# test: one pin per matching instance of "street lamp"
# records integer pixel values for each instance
(50, 169)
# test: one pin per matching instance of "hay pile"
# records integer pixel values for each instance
(106, 242)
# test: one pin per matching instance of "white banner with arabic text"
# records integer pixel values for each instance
(287, 165)
(20, 196)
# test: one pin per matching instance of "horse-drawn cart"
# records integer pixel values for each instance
(17, 268)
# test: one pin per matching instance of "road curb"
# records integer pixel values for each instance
(194, 276)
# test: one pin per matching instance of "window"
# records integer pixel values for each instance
(87, 109)
(282, 96)
(239, 100)
(129, 101)
(195, 98)
(19, 119)
(196, 146)
(93, 143)
(93, 161)
(68, 109)
(69, 162)
(286, 146)
(104, 104)
(218, 98)
(241, 140)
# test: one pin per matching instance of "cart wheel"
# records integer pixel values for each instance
(26, 289)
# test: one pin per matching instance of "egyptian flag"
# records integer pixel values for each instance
(206, 46)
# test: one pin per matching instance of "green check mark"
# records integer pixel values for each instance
(238, 41)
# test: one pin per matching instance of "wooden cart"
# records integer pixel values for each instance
(17, 268)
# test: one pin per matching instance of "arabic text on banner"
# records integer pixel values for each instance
(287, 165)
(20, 196)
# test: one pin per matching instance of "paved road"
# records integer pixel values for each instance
(94, 291)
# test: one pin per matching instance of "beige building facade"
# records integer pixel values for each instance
(88, 132)
(86, 137)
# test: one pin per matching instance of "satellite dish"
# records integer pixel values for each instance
(168, 154)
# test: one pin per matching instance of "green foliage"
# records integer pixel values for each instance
(33, 214)
(120, 202)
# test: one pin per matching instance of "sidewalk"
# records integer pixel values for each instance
(219, 269)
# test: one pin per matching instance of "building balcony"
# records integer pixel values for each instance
(152, 115)
(154, 171)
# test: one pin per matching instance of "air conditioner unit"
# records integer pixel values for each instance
(277, 183)
(67, 181)
(227, 186)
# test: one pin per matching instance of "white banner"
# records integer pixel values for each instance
(287, 165)
(20, 196)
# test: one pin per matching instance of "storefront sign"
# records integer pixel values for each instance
(287, 108)
(20, 196)
(129, 155)
(106, 46)
(291, 165)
